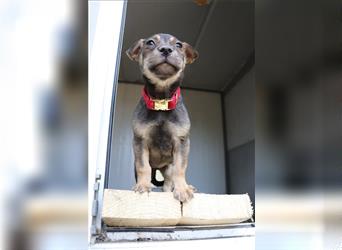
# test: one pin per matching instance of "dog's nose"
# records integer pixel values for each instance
(165, 50)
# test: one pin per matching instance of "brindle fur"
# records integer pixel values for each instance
(161, 138)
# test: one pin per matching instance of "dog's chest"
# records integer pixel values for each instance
(161, 137)
(161, 131)
(153, 126)
(161, 141)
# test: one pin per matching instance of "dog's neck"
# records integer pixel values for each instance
(161, 93)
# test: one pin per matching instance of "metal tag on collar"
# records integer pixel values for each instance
(161, 104)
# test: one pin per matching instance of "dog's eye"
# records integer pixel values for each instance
(179, 45)
(150, 42)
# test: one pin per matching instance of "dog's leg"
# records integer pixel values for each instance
(142, 166)
(182, 191)
(167, 174)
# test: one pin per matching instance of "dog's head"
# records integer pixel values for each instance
(162, 57)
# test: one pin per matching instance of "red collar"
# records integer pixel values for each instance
(161, 104)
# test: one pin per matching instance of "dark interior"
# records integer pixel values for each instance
(218, 90)
(222, 32)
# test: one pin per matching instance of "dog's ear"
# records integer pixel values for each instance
(134, 51)
(190, 53)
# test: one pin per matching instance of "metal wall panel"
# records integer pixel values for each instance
(240, 122)
(241, 171)
(240, 111)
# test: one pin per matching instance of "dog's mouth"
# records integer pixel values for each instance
(164, 69)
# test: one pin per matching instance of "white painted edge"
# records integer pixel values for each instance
(102, 67)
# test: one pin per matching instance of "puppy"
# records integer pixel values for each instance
(161, 122)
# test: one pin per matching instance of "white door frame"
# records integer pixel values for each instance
(106, 24)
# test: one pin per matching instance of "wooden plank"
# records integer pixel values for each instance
(206, 209)
(129, 209)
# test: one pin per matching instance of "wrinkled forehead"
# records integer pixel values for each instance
(163, 38)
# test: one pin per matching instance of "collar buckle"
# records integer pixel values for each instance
(162, 104)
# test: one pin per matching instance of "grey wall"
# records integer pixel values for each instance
(206, 170)
(240, 111)
(240, 122)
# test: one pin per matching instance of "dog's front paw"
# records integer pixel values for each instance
(184, 193)
(142, 187)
